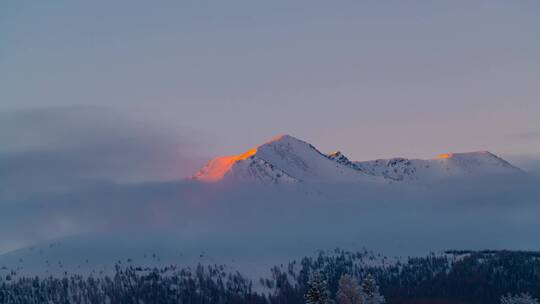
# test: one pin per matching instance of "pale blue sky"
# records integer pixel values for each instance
(370, 78)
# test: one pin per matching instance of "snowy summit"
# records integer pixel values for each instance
(286, 159)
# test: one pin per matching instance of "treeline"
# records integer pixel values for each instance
(454, 277)
(135, 285)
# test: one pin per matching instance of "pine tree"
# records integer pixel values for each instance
(370, 289)
(348, 291)
(317, 290)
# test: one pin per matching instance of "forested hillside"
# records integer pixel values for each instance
(452, 277)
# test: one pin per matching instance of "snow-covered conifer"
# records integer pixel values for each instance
(370, 289)
(317, 292)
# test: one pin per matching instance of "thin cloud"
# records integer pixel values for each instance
(61, 149)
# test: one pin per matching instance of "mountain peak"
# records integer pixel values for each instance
(280, 137)
(283, 138)
(467, 154)
(336, 154)
(338, 157)
(216, 168)
(285, 159)
(479, 161)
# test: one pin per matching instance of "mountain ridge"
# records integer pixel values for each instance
(287, 159)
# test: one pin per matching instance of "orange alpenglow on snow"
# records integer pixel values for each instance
(216, 168)
(446, 155)
(219, 166)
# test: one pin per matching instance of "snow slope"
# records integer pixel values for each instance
(98, 254)
(286, 159)
(450, 165)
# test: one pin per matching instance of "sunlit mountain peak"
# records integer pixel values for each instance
(286, 159)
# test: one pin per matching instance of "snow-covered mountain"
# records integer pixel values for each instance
(449, 165)
(286, 159)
